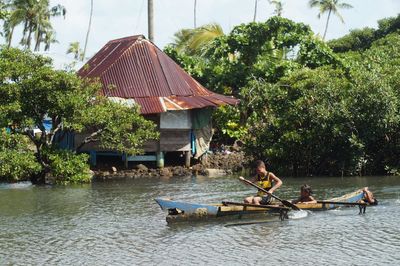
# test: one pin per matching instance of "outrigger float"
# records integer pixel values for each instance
(184, 211)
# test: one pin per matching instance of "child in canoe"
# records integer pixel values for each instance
(267, 181)
(305, 195)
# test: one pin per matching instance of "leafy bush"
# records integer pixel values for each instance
(17, 161)
(68, 167)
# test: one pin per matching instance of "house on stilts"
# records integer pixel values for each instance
(133, 70)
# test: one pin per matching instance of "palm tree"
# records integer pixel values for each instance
(88, 31)
(74, 48)
(3, 10)
(191, 41)
(182, 39)
(43, 30)
(49, 38)
(278, 7)
(35, 16)
(14, 17)
(330, 6)
(204, 35)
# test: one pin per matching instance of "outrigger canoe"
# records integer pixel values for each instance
(184, 211)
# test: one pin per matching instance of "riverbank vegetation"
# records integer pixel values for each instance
(31, 92)
(308, 107)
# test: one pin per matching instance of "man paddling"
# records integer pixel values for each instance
(266, 180)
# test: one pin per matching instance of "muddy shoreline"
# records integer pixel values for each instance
(217, 164)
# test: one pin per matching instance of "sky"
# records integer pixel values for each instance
(121, 18)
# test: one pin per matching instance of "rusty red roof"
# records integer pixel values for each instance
(134, 68)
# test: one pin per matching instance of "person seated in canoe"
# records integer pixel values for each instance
(305, 195)
(369, 197)
(266, 180)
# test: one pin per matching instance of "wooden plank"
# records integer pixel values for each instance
(227, 203)
(141, 158)
(175, 140)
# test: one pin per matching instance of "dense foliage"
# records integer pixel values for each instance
(304, 108)
(17, 160)
(32, 91)
(362, 39)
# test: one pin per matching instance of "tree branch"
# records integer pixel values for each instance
(53, 134)
(89, 139)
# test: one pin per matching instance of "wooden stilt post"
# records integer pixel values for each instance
(187, 159)
(93, 158)
(125, 158)
(160, 159)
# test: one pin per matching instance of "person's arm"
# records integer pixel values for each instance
(278, 182)
(311, 200)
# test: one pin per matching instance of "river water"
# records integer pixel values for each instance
(119, 223)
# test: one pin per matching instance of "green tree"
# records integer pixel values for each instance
(362, 39)
(268, 51)
(329, 6)
(3, 11)
(356, 40)
(17, 160)
(194, 41)
(262, 50)
(31, 90)
(76, 51)
(35, 17)
(278, 7)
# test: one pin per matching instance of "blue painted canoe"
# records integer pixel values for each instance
(187, 208)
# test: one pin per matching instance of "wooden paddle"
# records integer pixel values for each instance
(284, 202)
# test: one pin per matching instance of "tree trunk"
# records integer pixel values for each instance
(194, 13)
(28, 40)
(327, 22)
(38, 40)
(39, 178)
(10, 37)
(88, 31)
(150, 19)
(255, 10)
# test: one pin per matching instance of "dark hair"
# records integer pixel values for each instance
(259, 163)
(306, 188)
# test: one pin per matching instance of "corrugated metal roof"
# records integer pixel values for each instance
(134, 68)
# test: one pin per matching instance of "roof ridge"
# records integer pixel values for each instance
(139, 36)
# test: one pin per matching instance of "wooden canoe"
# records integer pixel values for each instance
(184, 211)
(329, 204)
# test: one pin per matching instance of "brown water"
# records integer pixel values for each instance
(118, 223)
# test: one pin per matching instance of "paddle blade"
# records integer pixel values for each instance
(290, 205)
